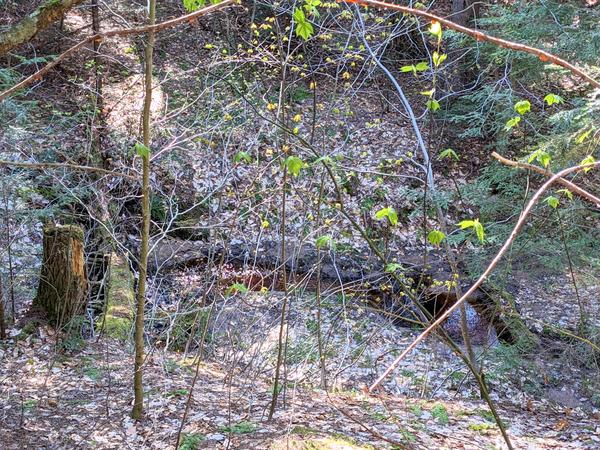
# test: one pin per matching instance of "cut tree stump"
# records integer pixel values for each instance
(62, 291)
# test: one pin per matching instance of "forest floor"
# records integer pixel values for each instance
(81, 398)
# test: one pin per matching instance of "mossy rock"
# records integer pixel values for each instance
(28, 329)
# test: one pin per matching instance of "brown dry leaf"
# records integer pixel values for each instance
(529, 405)
(561, 425)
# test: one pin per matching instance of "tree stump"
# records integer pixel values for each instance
(62, 291)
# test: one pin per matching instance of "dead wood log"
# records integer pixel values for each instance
(45, 15)
(62, 290)
(359, 272)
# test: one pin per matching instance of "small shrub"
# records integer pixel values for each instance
(440, 414)
(242, 427)
(481, 427)
(191, 441)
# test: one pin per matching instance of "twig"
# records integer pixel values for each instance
(65, 166)
(543, 55)
(368, 429)
(486, 273)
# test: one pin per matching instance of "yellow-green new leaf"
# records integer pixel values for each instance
(477, 227)
(435, 237)
(552, 201)
(523, 107)
(553, 99)
(587, 160)
(388, 212)
(294, 165)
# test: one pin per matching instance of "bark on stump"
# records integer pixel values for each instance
(62, 292)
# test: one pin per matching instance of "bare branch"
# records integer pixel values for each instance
(66, 166)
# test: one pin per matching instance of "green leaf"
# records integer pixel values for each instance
(433, 104)
(438, 58)
(393, 267)
(435, 237)
(477, 227)
(422, 66)
(388, 212)
(523, 107)
(552, 99)
(540, 156)
(512, 123)
(448, 153)
(479, 230)
(294, 165)
(304, 28)
(587, 160)
(323, 241)
(428, 93)
(242, 157)
(311, 7)
(142, 150)
(552, 201)
(193, 5)
(299, 15)
(567, 193)
(584, 136)
(235, 288)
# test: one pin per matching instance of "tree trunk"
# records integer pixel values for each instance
(138, 403)
(26, 29)
(2, 326)
(464, 11)
(62, 292)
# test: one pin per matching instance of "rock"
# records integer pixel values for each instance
(215, 437)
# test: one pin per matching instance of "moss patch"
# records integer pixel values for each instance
(118, 318)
